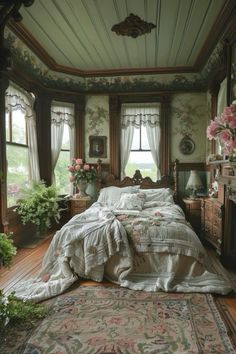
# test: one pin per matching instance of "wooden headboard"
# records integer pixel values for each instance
(170, 181)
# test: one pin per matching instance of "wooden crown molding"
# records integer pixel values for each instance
(21, 32)
(216, 32)
(226, 12)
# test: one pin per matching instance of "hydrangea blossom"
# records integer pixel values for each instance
(223, 127)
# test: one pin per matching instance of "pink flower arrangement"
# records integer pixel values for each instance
(223, 127)
(79, 170)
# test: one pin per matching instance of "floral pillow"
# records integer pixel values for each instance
(130, 201)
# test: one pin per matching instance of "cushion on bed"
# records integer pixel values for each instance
(131, 201)
(111, 195)
(158, 195)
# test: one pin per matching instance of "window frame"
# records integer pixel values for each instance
(115, 102)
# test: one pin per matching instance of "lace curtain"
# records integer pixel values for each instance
(61, 114)
(17, 98)
(133, 116)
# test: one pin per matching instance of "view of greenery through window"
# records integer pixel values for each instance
(140, 156)
(61, 173)
(142, 161)
(17, 156)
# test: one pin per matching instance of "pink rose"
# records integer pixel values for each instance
(79, 161)
(77, 167)
(71, 178)
(212, 129)
(86, 167)
(225, 136)
(71, 168)
(232, 123)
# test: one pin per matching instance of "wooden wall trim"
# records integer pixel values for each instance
(114, 121)
(3, 161)
(80, 127)
(43, 125)
(165, 136)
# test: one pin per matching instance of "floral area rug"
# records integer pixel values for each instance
(109, 320)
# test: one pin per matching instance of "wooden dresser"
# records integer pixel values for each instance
(219, 214)
(212, 218)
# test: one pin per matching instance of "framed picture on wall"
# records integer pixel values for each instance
(97, 146)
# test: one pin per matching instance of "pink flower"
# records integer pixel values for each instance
(86, 167)
(225, 136)
(224, 128)
(71, 178)
(213, 129)
(71, 168)
(232, 123)
(77, 167)
(79, 161)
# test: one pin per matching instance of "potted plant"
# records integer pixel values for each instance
(7, 250)
(39, 205)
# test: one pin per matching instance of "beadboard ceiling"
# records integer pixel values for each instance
(75, 35)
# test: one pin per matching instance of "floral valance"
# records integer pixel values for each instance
(17, 98)
(62, 114)
(140, 115)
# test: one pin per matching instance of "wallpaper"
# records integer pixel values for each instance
(189, 118)
(97, 124)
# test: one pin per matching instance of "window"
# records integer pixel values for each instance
(21, 143)
(62, 118)
(17, 155)
(140, 138)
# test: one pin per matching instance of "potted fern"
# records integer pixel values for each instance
(7, 250)
(39, 205)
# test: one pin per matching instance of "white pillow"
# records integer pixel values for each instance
(159, 195)
(131, 201)
(111, 195)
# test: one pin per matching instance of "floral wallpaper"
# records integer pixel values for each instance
(96, 123)
(189, 118)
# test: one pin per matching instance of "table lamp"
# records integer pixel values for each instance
(194, 184)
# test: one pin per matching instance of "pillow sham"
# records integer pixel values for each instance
(131, 201)
(111, 195)
(159, 195)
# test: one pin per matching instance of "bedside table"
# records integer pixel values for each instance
(78, 205)
(192, 209)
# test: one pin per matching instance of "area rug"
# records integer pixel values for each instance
(114, 320)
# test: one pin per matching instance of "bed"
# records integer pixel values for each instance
(134, 235)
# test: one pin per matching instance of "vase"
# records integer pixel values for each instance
(232, 157)
(82, 185)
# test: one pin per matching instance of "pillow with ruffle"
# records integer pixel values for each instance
(111, 195)
(159, 195)
(131, 201)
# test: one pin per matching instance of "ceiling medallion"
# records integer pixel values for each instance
(133, 27)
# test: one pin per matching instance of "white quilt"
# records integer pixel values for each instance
(97, 244)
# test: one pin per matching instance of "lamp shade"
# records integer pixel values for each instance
(194, 183)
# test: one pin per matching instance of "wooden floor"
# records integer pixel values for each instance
(27, 263)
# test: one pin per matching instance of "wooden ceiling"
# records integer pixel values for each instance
(75, 35)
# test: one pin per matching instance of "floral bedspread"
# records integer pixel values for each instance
(102, 242)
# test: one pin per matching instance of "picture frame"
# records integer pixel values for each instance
(97, 146)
